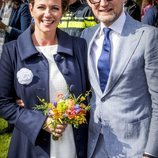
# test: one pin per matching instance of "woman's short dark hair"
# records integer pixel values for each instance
(65, 4)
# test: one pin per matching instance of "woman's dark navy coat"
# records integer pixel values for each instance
(28, 140)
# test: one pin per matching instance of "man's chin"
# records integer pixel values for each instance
(107, 21)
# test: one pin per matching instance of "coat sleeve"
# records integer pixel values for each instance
(28, 121)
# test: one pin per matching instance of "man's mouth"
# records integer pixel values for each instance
(106, 10)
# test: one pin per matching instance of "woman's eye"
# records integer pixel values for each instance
(55, 8)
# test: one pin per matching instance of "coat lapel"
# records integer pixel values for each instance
(128, 44)
(64, 44)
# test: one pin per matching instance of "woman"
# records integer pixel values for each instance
(42, 62)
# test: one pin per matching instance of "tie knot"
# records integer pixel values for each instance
(106, 31)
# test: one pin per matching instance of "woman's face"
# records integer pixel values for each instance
(46, 15)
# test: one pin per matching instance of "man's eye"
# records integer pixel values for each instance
(40, 7)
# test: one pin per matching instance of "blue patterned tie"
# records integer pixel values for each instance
(104, 60)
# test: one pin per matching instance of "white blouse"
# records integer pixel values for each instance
(64, 147)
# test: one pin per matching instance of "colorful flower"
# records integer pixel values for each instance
(66, 109)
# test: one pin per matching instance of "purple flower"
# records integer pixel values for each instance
(49, 112)
(78, 110)
(77, 106)
(55, 103)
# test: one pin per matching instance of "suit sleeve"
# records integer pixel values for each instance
(151, 70)
(28, 121)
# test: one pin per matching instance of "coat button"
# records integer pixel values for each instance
(103, 99)
(72, 88)
(57, 58)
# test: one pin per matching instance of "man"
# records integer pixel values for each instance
(133, 9)
(78, 17)
(124, 112)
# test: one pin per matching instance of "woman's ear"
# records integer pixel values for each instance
(31, 9)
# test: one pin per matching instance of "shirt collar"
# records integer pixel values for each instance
(117, 26)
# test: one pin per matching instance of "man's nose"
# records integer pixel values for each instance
(104, 2)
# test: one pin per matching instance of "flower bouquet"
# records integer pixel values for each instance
(66, 109)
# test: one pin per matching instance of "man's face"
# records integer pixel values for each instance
(107, 11)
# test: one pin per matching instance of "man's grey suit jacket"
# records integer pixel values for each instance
(129, 104)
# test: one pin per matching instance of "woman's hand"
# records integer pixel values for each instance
(57, 132)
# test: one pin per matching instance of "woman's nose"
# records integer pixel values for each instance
(47, 12)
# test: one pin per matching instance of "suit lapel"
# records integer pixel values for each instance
(128, 44)
(92, 72)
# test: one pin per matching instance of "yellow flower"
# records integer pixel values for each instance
(70, 103)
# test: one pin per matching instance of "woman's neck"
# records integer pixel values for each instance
(44, 39)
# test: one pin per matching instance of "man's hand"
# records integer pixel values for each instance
(20, 102)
